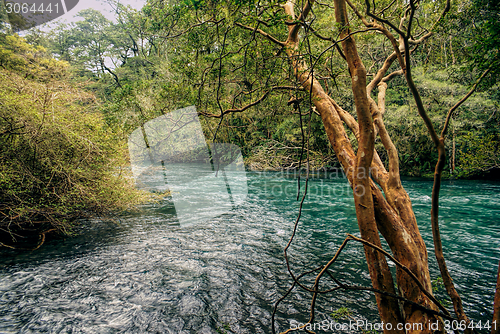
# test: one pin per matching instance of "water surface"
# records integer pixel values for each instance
(146, 274)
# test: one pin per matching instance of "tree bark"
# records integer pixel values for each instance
(394, 217)
(363, 200)
(495, 326)
(400, 234)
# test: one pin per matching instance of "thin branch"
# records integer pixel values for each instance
(392, 75)
(389, 23)
(405, 269)
(190, 28)
(431, 31)
(496, 306)
(386, 8)
(413, 8)
(294, 30)
(438, 246)
(263, 33)
(459, 103)
(444, 313)
(237, 110)
(416, 95)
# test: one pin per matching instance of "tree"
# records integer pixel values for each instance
(231, 56)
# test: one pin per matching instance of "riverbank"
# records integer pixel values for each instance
(325, 163)
(490, 175)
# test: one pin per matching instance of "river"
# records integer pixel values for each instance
(145, 273)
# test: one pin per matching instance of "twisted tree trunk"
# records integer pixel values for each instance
(392, 215)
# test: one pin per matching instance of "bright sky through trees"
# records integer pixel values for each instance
(103, 6)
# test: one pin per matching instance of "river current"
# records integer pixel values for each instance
(145, 273)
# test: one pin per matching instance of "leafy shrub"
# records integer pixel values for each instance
(58, 160)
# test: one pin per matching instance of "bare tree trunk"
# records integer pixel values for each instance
(393, 217)
(495, 326)
(453, 150)
(452, 53)
(363, 200)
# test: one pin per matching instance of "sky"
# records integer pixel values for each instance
(100, 5)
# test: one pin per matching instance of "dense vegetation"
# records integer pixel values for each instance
(260, 74)
(59, 160)
(161, 58)
(65, 122)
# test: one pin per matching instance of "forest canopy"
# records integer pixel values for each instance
(173, 54)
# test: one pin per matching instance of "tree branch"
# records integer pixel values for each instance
(438, 246)
(459, 103)
(294, 29)
(263, 33)
(237, 110)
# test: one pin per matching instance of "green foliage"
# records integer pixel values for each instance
(172, 54)
(58, 159)
(341, 313)
(371, 331)
(344, 313)
(28, 60)
(439, 290)
(223, 328)
(478, 153)
(472, 125)
(479, 34)
(437, 284)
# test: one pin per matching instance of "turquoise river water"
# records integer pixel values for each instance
(146, 274)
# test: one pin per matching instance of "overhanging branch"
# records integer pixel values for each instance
(261, 32)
